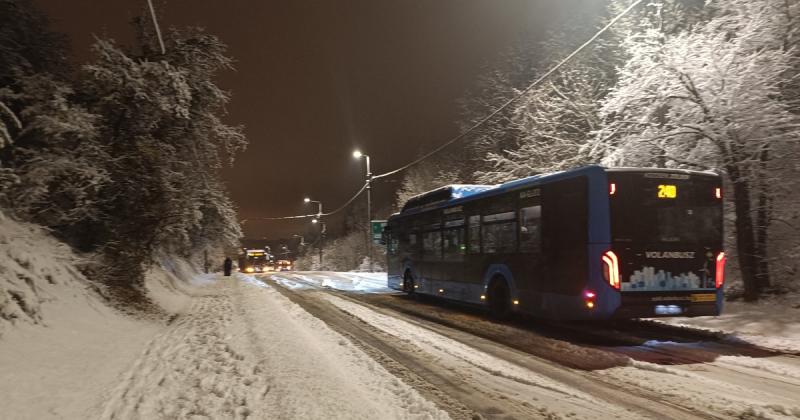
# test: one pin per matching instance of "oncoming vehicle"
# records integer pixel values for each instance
(256, 261)
(283, 265)
(588, 243)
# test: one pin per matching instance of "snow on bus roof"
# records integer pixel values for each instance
(445, 193)
(465, 190)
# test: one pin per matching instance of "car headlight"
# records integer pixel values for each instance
(249, 269)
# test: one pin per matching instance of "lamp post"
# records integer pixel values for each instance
(357, 154)
(318, 220)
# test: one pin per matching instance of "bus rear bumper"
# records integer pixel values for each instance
(665, 310)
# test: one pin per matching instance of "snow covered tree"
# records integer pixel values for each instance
(423, 178)
(56, 159)
(710, 97)
(161, 123)
(544, 130)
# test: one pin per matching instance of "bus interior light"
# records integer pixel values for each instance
(719, 274)
(611, 268)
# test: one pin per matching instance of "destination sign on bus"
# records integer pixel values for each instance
(667, 191)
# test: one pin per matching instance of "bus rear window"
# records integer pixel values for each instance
(665, 209)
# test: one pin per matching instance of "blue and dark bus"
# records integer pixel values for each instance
(587, 243)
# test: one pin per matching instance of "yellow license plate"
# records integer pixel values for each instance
(704, 297)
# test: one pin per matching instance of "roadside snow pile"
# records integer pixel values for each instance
(772, 322)
(35, 269)
(344, 281)
(61, 346)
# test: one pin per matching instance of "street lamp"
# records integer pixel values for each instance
(357, 154)
(318, 220)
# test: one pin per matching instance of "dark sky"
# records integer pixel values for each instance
(316, 79)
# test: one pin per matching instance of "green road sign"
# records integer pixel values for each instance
(377, 230)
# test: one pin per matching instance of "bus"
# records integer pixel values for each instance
(256, 260)
(582, 244)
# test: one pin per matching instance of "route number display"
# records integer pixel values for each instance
(667, 191)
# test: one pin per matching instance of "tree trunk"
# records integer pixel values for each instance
(745, 238)
(762, 225)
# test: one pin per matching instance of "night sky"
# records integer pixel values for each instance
(316, 79)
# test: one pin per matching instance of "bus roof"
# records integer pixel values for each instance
(457, 193)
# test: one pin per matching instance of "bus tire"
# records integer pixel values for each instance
(499, 299)
(408, 283)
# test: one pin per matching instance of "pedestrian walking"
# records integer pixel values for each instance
(228, 266)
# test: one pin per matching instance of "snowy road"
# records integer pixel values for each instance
(470, 366)
(244, 351)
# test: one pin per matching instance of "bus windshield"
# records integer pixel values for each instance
(662, 207)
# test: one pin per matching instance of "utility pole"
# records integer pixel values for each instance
(357, 154)
(321, 226)
(155, 24)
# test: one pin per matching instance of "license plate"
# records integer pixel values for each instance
(704, 297)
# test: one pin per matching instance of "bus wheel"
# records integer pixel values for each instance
(499, 305)
(408, 283)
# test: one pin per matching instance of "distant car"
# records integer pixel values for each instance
(283, 265)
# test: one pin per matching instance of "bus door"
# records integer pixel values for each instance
(530, 238)
(454, 249)
(431, 261)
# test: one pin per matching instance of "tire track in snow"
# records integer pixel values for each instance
(515, 393)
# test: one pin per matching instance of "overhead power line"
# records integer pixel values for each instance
(330, 213)
(505, 105)
(482, 121)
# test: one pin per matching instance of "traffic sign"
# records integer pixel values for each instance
(377, 230)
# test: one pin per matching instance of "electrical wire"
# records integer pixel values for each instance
(481, 122)
(331, 213)
(505, 105)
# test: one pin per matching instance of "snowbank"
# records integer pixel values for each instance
(772, 322)
(35, 270)
(61, 346)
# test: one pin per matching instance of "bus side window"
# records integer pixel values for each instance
(454, 246)
(432, 244)
(499, 233)
(474, 245)
(530, 232)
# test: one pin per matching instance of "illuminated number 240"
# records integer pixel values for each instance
(667, 191)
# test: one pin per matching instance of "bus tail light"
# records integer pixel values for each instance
(612, 188)
(718, 192)
(588, 298)
(611, 269)
(719, 274)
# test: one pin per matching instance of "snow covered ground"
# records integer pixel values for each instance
(772, 322)
(233, 348)
(344, 281)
